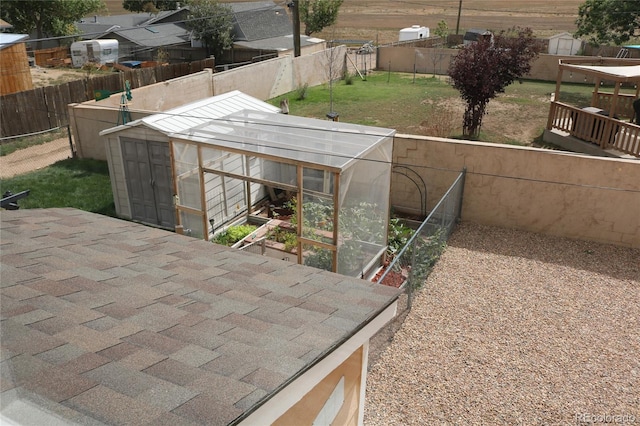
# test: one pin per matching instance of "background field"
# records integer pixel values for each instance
(380, 20)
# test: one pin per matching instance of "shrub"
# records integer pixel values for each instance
(233, 234)
(301, 92)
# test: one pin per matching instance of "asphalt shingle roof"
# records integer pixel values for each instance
(109, 321)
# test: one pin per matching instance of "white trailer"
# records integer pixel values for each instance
(99, 52)
(414, 32)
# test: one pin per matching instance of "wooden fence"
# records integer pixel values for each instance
(45, 108)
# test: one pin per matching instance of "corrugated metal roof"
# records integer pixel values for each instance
(181, 119)
(7, 40)
(309, 140)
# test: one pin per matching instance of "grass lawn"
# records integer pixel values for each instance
(427, 105)
(83, 184)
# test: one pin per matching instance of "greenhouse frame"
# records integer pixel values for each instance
(334, 173)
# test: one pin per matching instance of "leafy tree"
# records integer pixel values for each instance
(318, 14)
(211, 23)
(52, 18)
(483, 69)
(606, 21)
(151, 5)
(442, 30)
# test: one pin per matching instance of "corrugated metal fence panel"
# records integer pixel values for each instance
(46, 108)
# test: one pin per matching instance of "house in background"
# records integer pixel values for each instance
(261, 30)
(15, 73)
(145, 36)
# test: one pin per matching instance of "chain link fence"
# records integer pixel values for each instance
(416, 259)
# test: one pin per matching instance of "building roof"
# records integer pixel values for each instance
(619, 70)
(8, 40)
(281, 43)
(155, 35)
(323, 143)
(182, 118)
(4, 25)
(260, 20)
(109, 321)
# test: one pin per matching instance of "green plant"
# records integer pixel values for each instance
(301, 92)
(348, 78)
(319, 258)
(83, 184)
(399, 235)
(233, 234)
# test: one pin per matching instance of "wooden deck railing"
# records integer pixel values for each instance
(624, 106)
(601, 130)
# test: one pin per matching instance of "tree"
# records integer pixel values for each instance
(442, 30)
(52, 18)
(151, 5)
(484, 68)
(606, 21)
(211, 23)
(318, 14)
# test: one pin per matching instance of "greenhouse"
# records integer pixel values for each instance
(331, 178)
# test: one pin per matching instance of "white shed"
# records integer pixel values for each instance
(94, 51)
(564, 44)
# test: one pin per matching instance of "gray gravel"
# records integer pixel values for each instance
(516, 328)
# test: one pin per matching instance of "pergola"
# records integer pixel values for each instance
(608, 121)
(619, 71)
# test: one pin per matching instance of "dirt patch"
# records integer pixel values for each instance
(43, 77)
(34, 158)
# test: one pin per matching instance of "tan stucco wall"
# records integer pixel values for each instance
(268, 79)
(549, 192)
(307, 409)
(262, 80)
(402, 59)
(89, 118)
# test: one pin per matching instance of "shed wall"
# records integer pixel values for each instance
(15, 75)
(306, 410)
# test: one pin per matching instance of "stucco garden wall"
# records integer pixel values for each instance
(262, 80)
(426, 60)
(549, 192)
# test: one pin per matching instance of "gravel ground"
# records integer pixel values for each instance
(516, 328)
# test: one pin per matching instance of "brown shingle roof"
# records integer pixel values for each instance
(109, 320)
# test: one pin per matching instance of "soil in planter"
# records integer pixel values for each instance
(393, 279)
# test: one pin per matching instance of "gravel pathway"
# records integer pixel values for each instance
(516, 328)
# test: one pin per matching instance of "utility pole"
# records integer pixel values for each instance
(296, 27)
(458, 22)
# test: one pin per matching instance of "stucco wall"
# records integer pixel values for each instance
(426, 60)
(89, 118)
(550, 192)
(262, 80)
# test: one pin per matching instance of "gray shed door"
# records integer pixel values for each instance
(148, 169)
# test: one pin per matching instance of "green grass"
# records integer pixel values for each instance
(402, 102)
(382, 100)
(82, 184)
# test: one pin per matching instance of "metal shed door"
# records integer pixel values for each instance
(148, 169)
